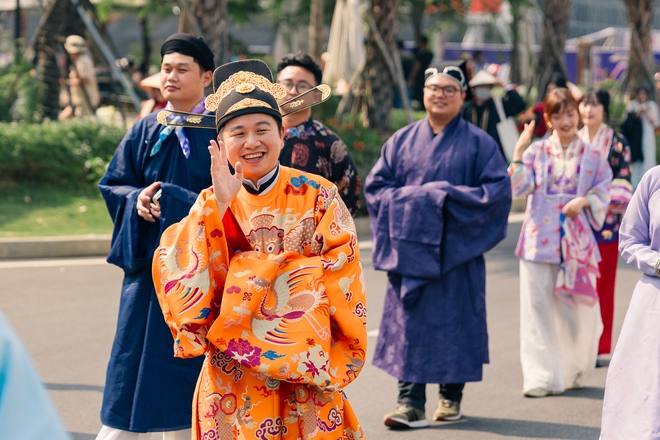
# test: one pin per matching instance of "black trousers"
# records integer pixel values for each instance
(414, 394)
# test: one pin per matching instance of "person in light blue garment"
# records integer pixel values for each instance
(26, 411)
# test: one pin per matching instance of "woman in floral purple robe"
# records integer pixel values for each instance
(566, 182)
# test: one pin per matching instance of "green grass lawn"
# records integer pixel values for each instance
(28, 210)
(43, 210)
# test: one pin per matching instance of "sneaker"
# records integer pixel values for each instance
(540, 392)
(405, 417)
(447, 411)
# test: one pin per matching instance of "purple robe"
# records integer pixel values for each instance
(631, 408)
(437, 203)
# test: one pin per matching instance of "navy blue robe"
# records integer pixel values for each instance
(437, 204)
(146, 388)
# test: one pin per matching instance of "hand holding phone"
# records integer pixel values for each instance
(157, 196)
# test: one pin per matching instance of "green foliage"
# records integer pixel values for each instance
(59, 153)
(280, 12)
(20, 93)
(106, 8)
(28, 210)
(241, 11)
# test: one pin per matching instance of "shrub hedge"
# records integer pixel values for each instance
(78, 151)
(57, 153)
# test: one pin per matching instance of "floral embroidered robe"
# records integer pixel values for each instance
(615, 148)
(283, 327)
(552, 178)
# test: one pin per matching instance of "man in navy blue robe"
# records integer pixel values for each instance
(438, 198)
(147, 389)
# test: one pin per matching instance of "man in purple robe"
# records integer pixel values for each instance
(438, 198)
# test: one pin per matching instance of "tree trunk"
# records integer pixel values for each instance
(640, 59)
(316, 30)
(516, 60)
(551, 58)
(59, 20)
(211, 18)
(379, 81)
(146, 44)
(416, 17)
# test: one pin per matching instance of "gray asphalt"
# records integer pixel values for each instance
(65, 311)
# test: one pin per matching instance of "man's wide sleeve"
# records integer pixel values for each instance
(189, 271)
(299, 318)
(292, 317)
(407, 222)
(476, 216)
(134, 239)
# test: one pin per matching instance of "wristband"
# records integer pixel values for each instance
(657, 268)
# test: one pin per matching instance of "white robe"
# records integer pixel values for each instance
(558, 341)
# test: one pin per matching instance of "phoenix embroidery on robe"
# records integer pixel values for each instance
(291, 300)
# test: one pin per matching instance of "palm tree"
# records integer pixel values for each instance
(551, 58)
(208, 19)
(316, 30)
(640, 59)
(380, 82)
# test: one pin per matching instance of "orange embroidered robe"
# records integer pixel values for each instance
(283, 326)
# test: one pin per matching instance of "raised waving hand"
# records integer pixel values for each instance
(225, 184)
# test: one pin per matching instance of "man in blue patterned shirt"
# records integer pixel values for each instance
(308, 144)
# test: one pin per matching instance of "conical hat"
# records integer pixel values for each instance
(483, 78)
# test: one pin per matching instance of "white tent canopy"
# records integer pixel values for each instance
(10, 5)
(346, 42)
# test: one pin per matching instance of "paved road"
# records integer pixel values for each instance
(65, 311)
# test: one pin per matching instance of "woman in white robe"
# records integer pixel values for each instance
(631, 408)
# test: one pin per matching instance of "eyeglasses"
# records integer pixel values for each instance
(301, 87)
(448, 91)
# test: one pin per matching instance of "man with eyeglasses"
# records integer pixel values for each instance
(438, 198)
(308, 144)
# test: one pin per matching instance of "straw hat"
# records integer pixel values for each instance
(483, 78)
(151, 82)
(75, 44)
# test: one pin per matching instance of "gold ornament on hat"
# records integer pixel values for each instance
(237, 80)
(212, 102)
(246, 103)
(245, 88)
(173, 118)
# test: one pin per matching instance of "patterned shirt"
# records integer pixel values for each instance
(316, 149)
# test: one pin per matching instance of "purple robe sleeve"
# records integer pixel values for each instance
(599, 195)
(407, 222)
(475, 216)
(438, 223)
(634, 235)
(523, 178)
